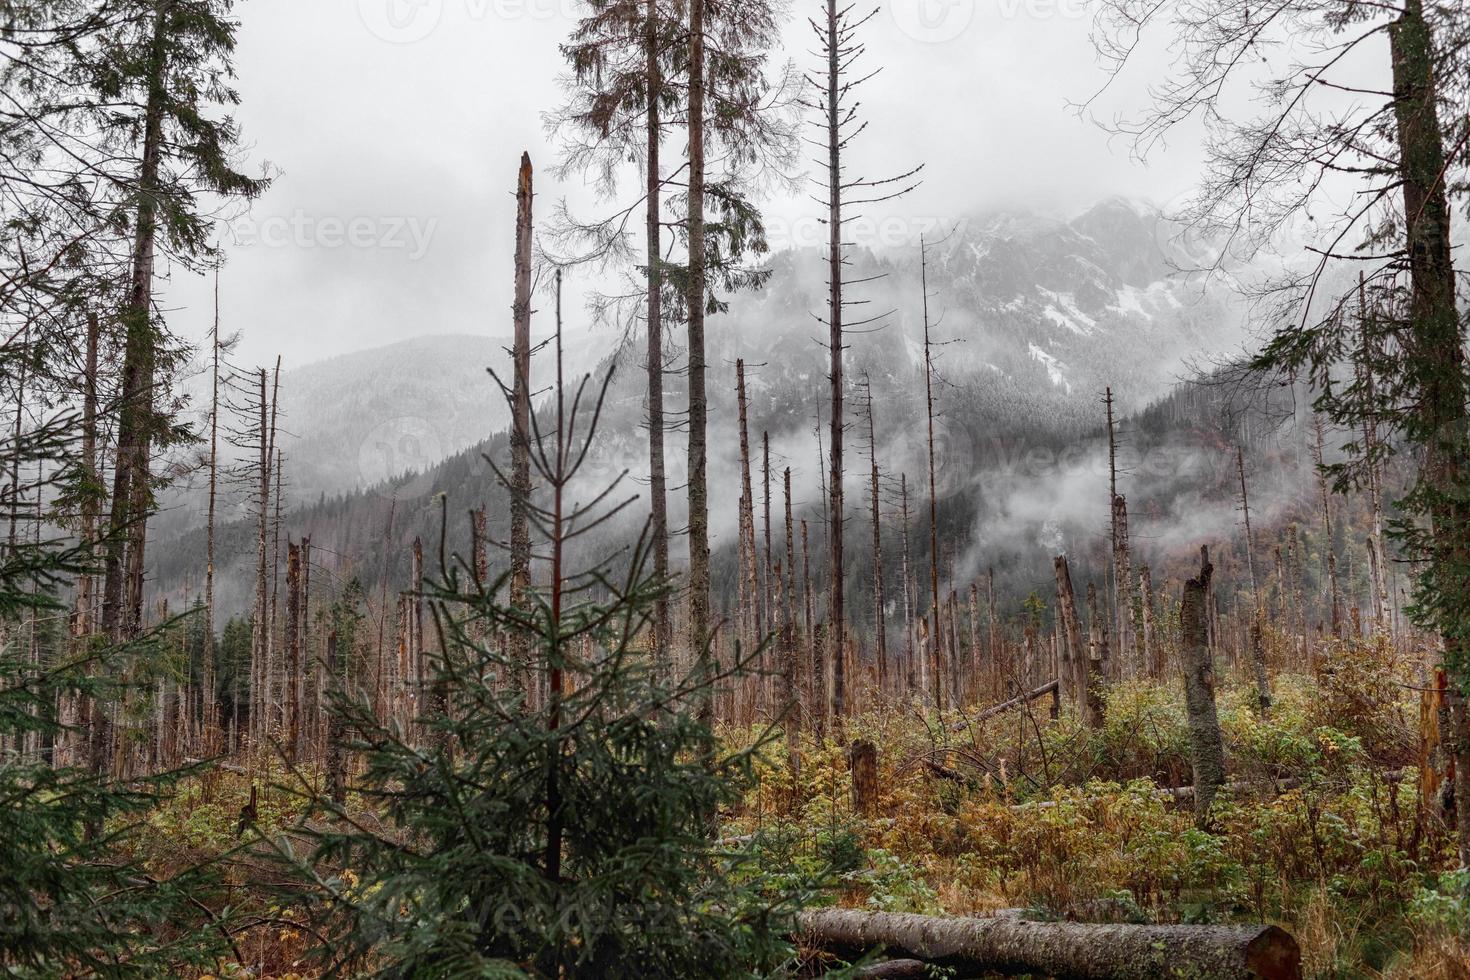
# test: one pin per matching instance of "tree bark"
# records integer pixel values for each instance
(653, 228)
(131, 494)
(520, 436)
(1206, 745)
(700, 639)
(1438, 363)
(1064, 950)
(1071, 669)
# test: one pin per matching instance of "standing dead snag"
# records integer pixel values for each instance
(790, 666)
(936, 654)
(836, 107)
(336, 731)
(1070, 668)
(1149, 645)
(1258, 614)
(1097, 661)
(293, 650)
(1075, 950)
(520, 436)
(1123, 626)
(1206, 745)
(863, 759)
(880, 615)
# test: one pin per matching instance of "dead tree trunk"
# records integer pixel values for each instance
(1151, 653)
(1122, 560)
(749, 574)
(336, 734)
(520, 436)
(1073, 950)
(790, 666)
(1072, 669)
(700, 639)
(1329, 547)
(293, 650)
(1206, 744)
(908, 589)
(261, 609)
(863, 760)
(1258, 612)
(653, 232)
(880, 600)
(936, 654)
(1097, 661)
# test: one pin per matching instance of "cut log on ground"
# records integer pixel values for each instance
(1064, 950)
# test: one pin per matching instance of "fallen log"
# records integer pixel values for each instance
(1064, 950)
(894, 970)
(1051, 687)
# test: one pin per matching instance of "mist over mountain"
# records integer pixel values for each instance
(1031, 316)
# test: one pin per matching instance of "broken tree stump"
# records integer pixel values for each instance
(1064, 950)
(863, 756)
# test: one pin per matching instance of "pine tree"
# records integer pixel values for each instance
(569, 839)
(75, 898)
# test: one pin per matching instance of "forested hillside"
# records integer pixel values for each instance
(637, 495)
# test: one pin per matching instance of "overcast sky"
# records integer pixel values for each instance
(397, 125)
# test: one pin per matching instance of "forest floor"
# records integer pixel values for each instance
(1321, 829)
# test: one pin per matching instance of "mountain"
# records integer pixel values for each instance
(1032, 315)
(358, 419)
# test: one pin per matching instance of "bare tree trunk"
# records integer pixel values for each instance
(700, 639)
(936, 653)
(993, 626)
(336, 734)
(293, 651)
(836, 611)
(1122, 561)
(976, 658)
(749, 574)
(790, 667)
(653, 228)
(816, 687)
(262, 607)
(863, 761)
(880, 600)
(1206, 745)
(520, 438)
(1097, 660)
(1072, 669)
(768, 611)
(1258, 611)
(420, 668)
(1151, 651)
(211, 702)
(1329, 546)
(908, 589)
(1377, 559)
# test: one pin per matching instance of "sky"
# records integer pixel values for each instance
(395, 128)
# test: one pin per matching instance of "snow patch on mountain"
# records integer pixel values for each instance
(1055, 369)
